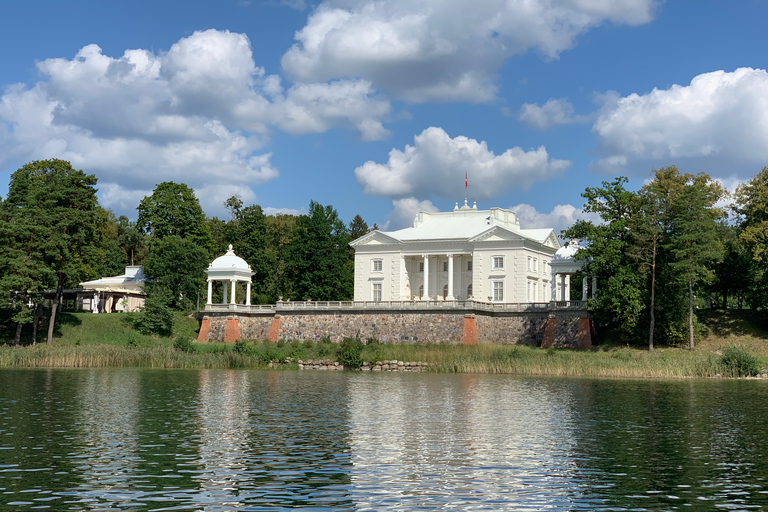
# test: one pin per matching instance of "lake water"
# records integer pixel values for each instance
(216, 440)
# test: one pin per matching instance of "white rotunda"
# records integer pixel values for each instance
(229, 268)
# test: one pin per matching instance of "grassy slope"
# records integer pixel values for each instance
(103, 340)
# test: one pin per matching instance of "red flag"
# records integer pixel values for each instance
(466, 181)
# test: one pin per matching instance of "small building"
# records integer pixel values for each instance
(464, 254)
(123, 293)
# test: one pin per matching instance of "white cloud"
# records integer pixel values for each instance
(198, 113)
(436, 164)
(283, 211)
(719, 122)
(561, 217)
(445, 50)
(553, 113)
(404, 211)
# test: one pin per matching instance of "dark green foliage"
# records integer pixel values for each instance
(738, 362)
(175, 269)
(46, 222)
(157, 316)
(173, 210)
(320, 262)
(184, 344)
(349, 353)
(358, 227)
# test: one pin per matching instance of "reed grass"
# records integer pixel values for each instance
(109, 341)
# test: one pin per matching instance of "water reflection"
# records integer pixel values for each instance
(476, 442)
(251, 440)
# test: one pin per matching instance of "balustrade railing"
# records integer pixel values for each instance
(467, 305)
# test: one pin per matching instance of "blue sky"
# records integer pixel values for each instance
(380, 108)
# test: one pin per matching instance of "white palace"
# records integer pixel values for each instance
(464, 254)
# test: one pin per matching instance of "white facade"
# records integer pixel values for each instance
(464, 254)
(123, 293)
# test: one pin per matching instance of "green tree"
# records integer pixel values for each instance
(358, 227)
(249, 239)
(619, 302)
(51, 208)
(173, 210)
(652, 227)
(695, 242)
(319, 260)
(175, 269)
(751, 204)
(281, 232)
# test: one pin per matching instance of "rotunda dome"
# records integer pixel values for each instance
(229, 261)
(568, 252)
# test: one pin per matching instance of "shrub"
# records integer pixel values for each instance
(309, 344)
(156, 316)
(738, 362)
(184, 344)
(244, 347)
(349, 353)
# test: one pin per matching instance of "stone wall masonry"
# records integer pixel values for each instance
(378, 366)
(520, 329)
(408, 327)
(387, 327)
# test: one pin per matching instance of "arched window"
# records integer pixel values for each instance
(421, 291)
(469, 292)
(445, 291)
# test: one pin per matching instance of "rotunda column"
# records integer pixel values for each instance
(248, 294)
(210, 291)
(584, 286)
(224, 294)
(234, 282)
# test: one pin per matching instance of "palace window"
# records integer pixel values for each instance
(498, 263)
(535, 265)
(469, 266)
(445, 266)
(469, 292)
(376, 292)
(445, 291)
(530, 267)
(421, 266)
(377, 265)
(498, 291)
(421, 291)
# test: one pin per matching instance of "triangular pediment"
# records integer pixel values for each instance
(496, 234)
(375, 238)
(553, 241)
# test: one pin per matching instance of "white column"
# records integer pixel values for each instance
(233, 291)
(210, 291)
(403, 275)
(594, 286)
(450, 277)
(425, 296)
(224, 294)
(584, 285)
(562, 287)
(248, 294)
(462, 288)
(553, 284)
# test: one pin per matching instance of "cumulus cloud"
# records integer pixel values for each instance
(436, 164)
(553, 113)
(444, 50)
(198, 113)
(719, 120)
(283, 211)
(404, 211)
(561, 217)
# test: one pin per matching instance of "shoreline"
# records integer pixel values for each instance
(664, 363)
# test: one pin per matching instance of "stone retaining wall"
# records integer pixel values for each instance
(390, 327)
(562, 329)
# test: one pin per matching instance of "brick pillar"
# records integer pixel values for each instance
(470, 330)
(274, 330)
(205, 328)
(232, 331)
(549, 333)
(586, 332)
